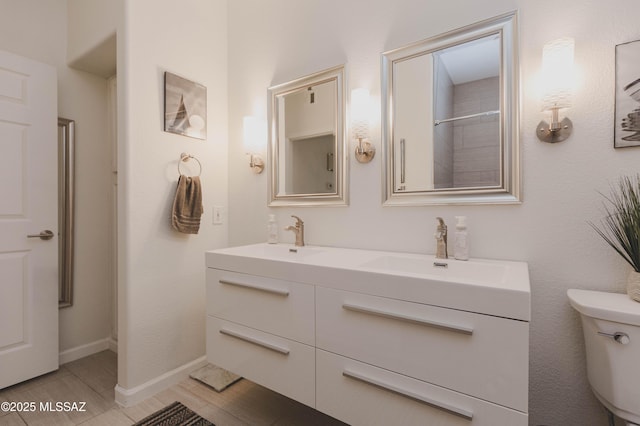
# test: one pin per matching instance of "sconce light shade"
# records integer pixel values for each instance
(557, 79)
(557, 73)
(360, 121)
(252, 134)
(252, 139)
(360, 113)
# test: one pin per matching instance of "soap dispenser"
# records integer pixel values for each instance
(461, 246)
(272, 230)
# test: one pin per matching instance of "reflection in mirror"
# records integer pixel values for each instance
(451, 117)
(466, 101)
(306, 143)
(307, 130)
(66, 145)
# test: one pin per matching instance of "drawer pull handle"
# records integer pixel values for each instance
(408, 394)
(408, 318)
(253, 340)
(277, 291)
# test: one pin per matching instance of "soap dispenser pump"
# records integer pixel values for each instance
(461, 246)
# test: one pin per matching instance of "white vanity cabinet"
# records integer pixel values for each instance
(275, 306)
(426, 362)
(308, 327)
(361, 394)
(263, 329)
(475, 354)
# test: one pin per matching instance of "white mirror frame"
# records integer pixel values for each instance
(339, 197)
(509, 192)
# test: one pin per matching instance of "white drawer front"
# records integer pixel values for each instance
(279, 364)
(478, 355)
(279, 307)
(361, 394)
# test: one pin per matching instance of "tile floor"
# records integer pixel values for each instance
(92, 380)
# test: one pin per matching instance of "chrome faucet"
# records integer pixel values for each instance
(441, 239)
(298, 229)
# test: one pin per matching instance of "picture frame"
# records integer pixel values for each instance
(627, 95)
(185, 107)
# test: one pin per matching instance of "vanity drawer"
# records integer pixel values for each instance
(279, 364)
(479, 355)
(279, 307)
(361, 394)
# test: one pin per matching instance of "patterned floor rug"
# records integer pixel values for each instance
(175, 414)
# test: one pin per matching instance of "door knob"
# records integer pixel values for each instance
(44, 235)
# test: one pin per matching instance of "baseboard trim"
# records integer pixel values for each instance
(129, 397)
(113, 345)
(84, 350)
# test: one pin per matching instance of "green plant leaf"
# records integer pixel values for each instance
(620, 228)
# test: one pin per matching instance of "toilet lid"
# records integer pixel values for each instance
(616, 307)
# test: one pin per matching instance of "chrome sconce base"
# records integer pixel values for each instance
(256, 164)
(554, 132)
(365, 151)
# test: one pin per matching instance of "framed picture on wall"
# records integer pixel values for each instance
(185, 107)
(627, 108)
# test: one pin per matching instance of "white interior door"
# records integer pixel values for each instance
(28, 206)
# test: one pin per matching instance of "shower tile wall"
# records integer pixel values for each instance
(443, 133)
(475, 141)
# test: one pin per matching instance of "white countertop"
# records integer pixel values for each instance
(493, 287)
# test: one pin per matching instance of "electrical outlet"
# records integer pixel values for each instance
(218, 213)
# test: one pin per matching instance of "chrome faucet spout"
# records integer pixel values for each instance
(441, 239)
(297, 229)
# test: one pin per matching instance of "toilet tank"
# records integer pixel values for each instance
(612, 364)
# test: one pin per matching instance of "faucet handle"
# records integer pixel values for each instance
(298, 220)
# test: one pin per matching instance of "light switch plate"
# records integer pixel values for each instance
(218, 215)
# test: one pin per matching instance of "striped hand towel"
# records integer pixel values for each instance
(187, 206)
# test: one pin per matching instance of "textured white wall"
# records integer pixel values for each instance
(91, 22)
(161, 288)
(38, 30)
(561, 182)
(92, 35)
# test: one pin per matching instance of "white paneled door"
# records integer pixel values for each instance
(28, 207)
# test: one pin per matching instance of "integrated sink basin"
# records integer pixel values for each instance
(471, 271)
(492, 287)
(284, 252)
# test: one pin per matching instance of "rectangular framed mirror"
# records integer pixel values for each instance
(450, 117)
(66, 145)
(307, 156)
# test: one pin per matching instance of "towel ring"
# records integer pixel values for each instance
(184, 157)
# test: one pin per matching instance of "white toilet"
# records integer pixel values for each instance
(611, 325)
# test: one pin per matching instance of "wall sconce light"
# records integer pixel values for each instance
(557, 89)
(256, 163)
(252, 140)
(360, 114)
